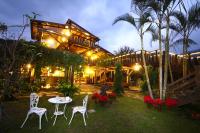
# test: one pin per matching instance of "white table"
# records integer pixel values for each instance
(57, 101)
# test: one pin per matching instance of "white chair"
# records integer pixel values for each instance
(34, 99)
(80, 109)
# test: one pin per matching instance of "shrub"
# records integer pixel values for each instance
(67, 89)
(95, 95)
(103, 99)
(112, 95)
(170, 102)
(118, 88)
(153, 76)
(157, 103)
(148, 100)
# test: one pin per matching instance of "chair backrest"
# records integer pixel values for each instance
(34, 99)
(85, 101)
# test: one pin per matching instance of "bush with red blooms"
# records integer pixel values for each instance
(157, 103)
(112, 95)
(148, 100)
(96, 97)
(171, 102)
(103, 99)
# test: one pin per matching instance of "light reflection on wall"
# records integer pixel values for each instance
(53, 72)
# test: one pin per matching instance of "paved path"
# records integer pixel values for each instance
(86, 89)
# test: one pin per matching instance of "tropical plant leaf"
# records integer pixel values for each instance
(180, 17)
(126, 17)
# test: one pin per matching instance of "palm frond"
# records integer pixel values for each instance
(194, 15)
(181, 42)
(175, 27)
(145, 18)
(191, 42)
(126, 17)
(177, 42)
(167, 3)
(180, 17)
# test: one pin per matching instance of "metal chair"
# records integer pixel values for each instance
(34, 99)
(81, 109)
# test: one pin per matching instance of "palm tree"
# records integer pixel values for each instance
(139, 23)
(187, 23)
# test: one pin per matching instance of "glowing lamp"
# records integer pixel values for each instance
(66, 32)
(137, 67)
(89, 53)
(63, 39)
(94, 57)
(28, 66)
(89, 71)
(50, 42)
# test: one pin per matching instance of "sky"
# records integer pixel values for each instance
(96, 16)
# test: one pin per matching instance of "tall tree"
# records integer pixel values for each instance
(124, 50)
(187, 23)
(139, 23)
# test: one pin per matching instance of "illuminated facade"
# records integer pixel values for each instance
(69, 37)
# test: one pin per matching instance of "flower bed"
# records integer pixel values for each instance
(158, 103)
(170, 102)
(103, 99)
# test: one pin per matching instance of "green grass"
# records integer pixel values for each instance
(126, 115)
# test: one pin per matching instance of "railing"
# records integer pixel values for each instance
(185, 89)
(81, 41)
(152, 58)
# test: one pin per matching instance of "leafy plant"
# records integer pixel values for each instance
(67, 89)
(153, 75)
(118, 88)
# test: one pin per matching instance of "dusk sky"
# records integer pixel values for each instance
(94, 15)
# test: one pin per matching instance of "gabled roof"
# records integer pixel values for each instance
(72, 23)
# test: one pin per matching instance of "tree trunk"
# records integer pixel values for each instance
(66, 73)
(170, 71)
(145, 66)
(72, 75)
(166, 60)
(184, 55)
(160, 59)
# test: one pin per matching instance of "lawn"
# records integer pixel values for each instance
(126, 115)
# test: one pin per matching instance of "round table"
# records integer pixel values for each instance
(57, 101)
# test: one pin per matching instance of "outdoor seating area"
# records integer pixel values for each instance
(125, 112)
(34, 99)
(100, 66)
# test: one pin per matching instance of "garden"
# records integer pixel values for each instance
(64, 76)
(123, 115)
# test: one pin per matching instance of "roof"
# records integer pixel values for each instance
(80, 41)
(71, 22)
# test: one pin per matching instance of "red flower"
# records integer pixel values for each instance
(103, 98)
(157, 102)
(112, 95)
(95, 95)
(170, 102)
(148, 99)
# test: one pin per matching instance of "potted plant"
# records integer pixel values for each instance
(67, 89)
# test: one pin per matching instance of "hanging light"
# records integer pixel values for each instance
(89, 53)
(94, 57)
(137, 67)
(66, 32)
(50, 42)
(28, 66)
(63, 39)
